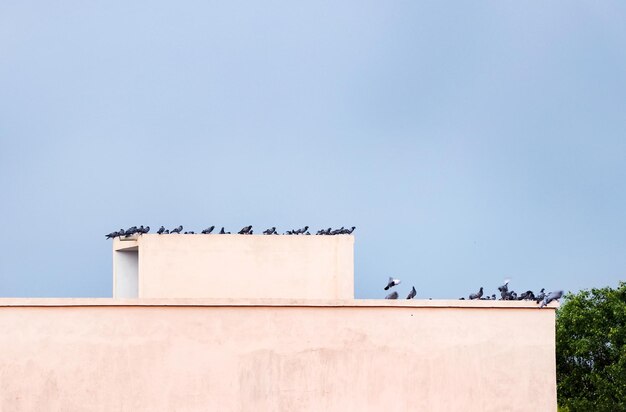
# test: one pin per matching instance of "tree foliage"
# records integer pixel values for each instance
(591, 350)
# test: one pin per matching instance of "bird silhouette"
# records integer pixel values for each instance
(177, 230)
(392, 282)
(412, 293)
(478, 295)
(269, 231)
(392, 295)
(161, 230)
(550, 297)
(224, 233)
(112, 235)
(208, 230)
(245, 230)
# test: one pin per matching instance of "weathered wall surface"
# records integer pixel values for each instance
(236, 266)
(341, 356)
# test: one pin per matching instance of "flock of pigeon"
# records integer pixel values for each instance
(247, 230)
(542, 298)
(394, 295)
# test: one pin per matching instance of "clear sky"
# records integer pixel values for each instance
(467, 141)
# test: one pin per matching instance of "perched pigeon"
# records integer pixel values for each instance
(143, 230)
(392, 282)
(412, 293)
(190, 233)
(269, 231)
(167, 232)
(349, 232)
(245, 230)
(208, 230)
(177, 230)
(504, 290)
(131, 231)
(392, 295)
(541, 295)
(307, 233)
(161, 230)
(224, 233)
(112, 235)
(550, 297)
(478, 295)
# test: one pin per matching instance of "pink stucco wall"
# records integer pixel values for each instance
(268, 355)
(236, 266)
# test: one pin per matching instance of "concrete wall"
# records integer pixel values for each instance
(237, 266)
(218, 355)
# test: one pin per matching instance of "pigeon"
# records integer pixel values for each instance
(112, 235)
(307, 233)
(289, 232)
(504, 290)
(349, 231)
(412, 293)
(131, 231)
(461, 298)
(269, 231)
(478, 295)
(392, 295)
(392, 282)
(245, 230)
(190, 233)
(224, 233)
(143, 230)
(541, 295)
(177, 230)
(299, 231)
(167, 232)
(550, 297)
(493, 297)
(208, 230)
(161, 230)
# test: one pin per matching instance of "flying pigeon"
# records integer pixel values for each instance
(392, 295)
(392, 282)
(161, 230)
(177, 230)
(478, 295)
(208, 230)
(550, 297)
(412, 293)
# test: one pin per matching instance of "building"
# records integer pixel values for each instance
(195, 326)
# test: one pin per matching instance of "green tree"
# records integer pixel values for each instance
(591, 350)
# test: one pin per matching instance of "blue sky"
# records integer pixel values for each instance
(467, 141)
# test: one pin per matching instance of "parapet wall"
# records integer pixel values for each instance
(275, 355)
(234, 266)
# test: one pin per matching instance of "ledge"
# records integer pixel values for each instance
(348, 303)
